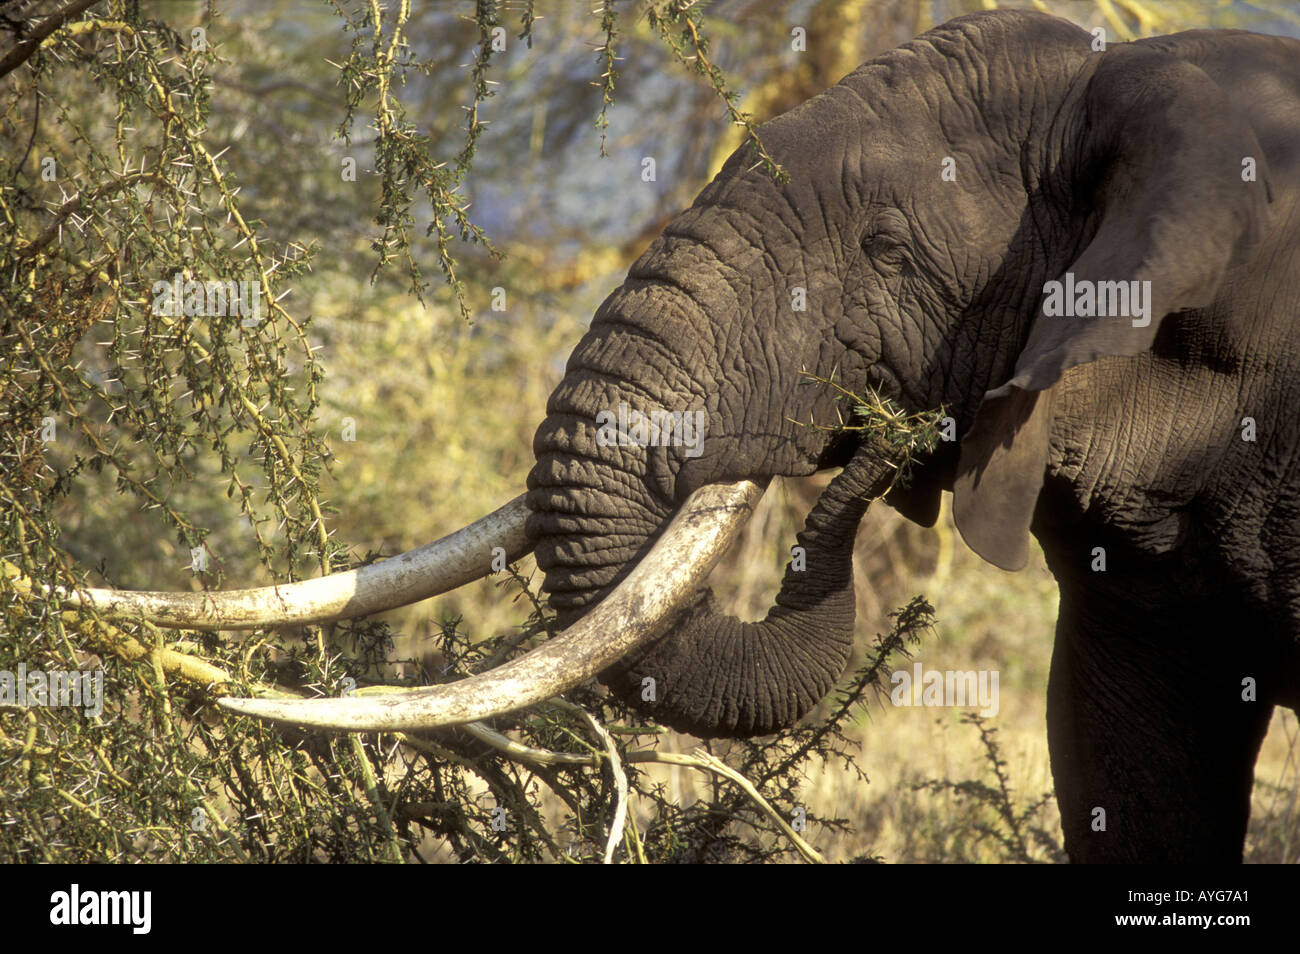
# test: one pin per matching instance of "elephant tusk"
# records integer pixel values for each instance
(636, 612)
(456, 559)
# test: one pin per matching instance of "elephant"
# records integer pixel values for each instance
(1089, 255)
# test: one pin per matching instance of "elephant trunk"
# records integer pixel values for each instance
(711, 675)
(716, 676)
(592, 517)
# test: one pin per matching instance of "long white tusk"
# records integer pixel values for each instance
(456, 559)
(633, 614)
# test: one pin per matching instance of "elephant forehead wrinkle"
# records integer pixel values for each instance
(742, 240)
(732, 232)
(697, 282)
(658, 380)
(811, 143)
(650, 302)
(750, 199)
(673, 284)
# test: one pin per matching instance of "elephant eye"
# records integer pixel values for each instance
(883, 249)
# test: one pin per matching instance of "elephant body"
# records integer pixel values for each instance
(934, 195)
(1183, 465)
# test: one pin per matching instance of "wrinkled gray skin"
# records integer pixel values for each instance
(1117, 165)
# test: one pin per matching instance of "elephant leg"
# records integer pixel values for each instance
(1153, 746)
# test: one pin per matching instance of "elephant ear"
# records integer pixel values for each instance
(1166, 148)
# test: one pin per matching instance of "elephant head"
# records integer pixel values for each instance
(933, 195)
